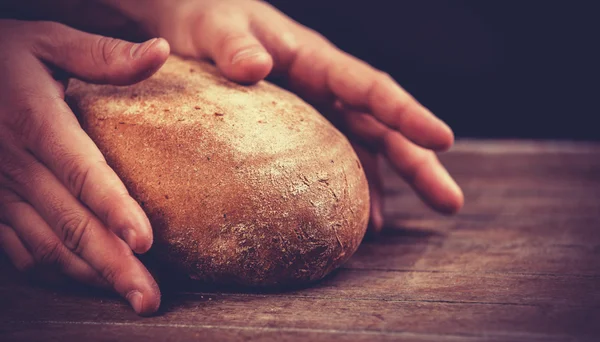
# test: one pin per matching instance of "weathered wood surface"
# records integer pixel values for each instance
(520, 263)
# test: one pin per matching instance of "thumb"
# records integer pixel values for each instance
(99, 59)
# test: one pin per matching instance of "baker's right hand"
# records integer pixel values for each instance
(61, 206)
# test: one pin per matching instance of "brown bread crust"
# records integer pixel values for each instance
(242, 184)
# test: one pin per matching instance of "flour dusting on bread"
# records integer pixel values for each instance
(242, 184)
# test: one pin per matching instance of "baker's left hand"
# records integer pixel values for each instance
(250, 40)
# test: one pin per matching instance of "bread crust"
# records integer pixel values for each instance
(243, 185)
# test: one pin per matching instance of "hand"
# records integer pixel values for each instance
(61, 205)
(249, 40)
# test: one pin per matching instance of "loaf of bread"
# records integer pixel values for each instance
(242, 184)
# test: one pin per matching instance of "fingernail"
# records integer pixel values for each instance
(247, 54)
(136, 299)
(130, 237)
(138, 50)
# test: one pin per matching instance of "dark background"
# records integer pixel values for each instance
(525, 69)
(490, 68)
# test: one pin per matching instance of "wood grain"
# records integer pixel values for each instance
(521, 262)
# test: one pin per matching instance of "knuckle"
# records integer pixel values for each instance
(114, 213)
(384, 77)
(113, 271)
(75, 174)
(35, 117)
(289, 47)
(203, 19)
(377, 91)
(104, 50)
(47, 28)
(419, 163)
(289, 43)
(219, 11)
(72, 228)
(8, 201)
(29, 125)
(378, 82)
(262, 6)
(314, 35)
(14, 171)
(47, 33)
(230, 41)
(48, 252)
(9, 168)
(23, 123)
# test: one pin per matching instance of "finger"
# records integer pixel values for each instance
(225, 36)
(418, 166)
(99, 59)
(359, 85)
(33, 238)
(276, 32)
(14, 249)
(49, 130)
(321, 68)
(83, 233)
(370, 163)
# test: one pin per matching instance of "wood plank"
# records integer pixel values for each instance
(492, 147)
(521, 262)
(550, 168)
(92, 331)
(506, 200)
(420, 286)
(569, 246)
(457, 287)
(342, 314)
(442, 287)
(571, 167)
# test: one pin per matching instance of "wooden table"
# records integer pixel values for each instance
(521, 262)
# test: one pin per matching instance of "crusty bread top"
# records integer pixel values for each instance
(178, 96)
(247, 184)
